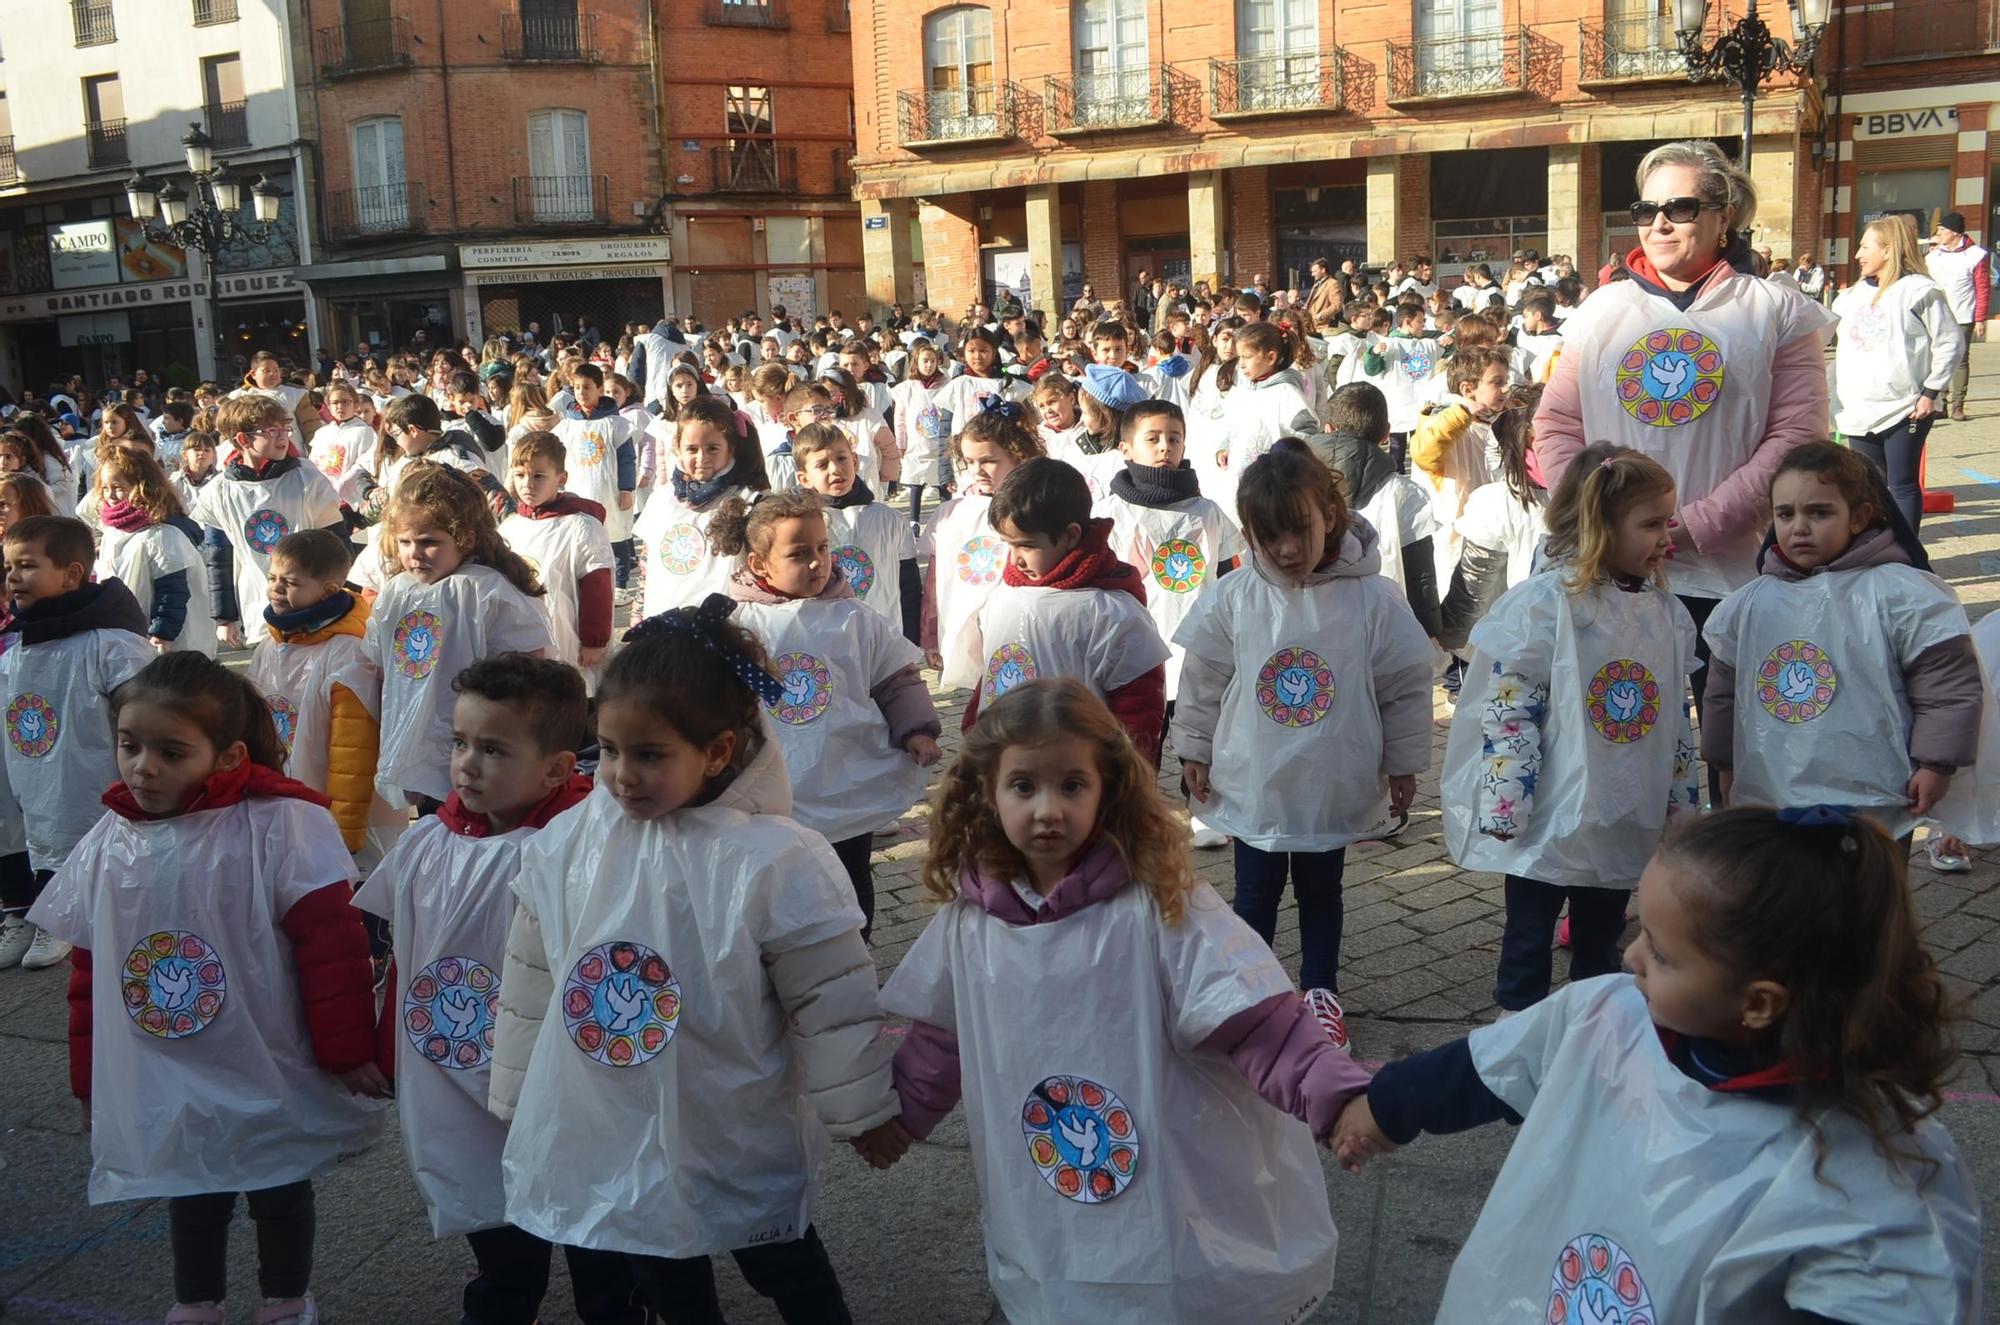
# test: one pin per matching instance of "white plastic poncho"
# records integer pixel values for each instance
(345, 453)
(1400, 512)
(1124, 1175)
(60, 754)
(449, 902)
(967, 558)
(870, 545)
(421, 636)
(563, 550)
(202, 1070)
(1495, 518)
(1298, 743)
(1702, 1206)
(255, 515)
(681, 567)
(590, 449)
(831, 654)
(1616, 667)
(142, 556)
(1101, 637)
(1821, 714)
(1971, 809)
(1180, 549)
(663, 1111)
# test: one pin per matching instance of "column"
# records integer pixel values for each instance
(1969, 175)
(205, 309)
(1385, 209)
(885, 252)
(1208, 202)
(1566, 204)
(1774, 170)
(1045, 241)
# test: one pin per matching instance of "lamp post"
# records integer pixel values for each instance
(1747, 53)
(207, 216)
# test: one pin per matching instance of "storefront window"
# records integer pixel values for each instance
(1918, 194)
(1486, 205)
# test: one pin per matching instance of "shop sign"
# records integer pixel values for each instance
(1906, 123)
(564, 252)
(82, 253)
(95, 329)
(239, 285)
(537, 275)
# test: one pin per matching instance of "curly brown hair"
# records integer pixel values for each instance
(1151, 839)
(455, 504)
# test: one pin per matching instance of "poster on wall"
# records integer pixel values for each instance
(1007, 271)
(143, 259)
(82, 253)
(794, 293)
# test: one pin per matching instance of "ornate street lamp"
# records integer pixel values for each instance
(1747, 53)
(208, 216)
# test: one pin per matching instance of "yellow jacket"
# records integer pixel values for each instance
(353, 738)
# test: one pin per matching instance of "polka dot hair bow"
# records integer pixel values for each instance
(701, 622)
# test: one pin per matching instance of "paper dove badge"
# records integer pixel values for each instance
(1596, 1283)
(620, 1004)
(1797, 681)
(808, 688)
(1081, 1139)
(173, 984)
(1670, 377)
(449, 1011)
(1295, 687)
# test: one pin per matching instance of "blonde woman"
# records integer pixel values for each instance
(1898, 345)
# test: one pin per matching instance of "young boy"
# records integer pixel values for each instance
(563, 537)
(603, 459)
(1539, 336)
(1453, 447)
(345, 449)
(1067, 606)
(170, 431)
(324, 690)
(445, 891)
(76, 643)
(264, 493)
(868, 536)
(1396, 507)
(1109, 345)
(1401, 367)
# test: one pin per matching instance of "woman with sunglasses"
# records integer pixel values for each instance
(1697, 363)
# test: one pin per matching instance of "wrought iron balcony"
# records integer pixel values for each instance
(545, 38)
(106, 143)
(1496, 63)
(363, 46)
(1927, 30)
(561, 200)
(91, 23)
(754, 166)
(841, 176)
(382, 210)
(1285, 83)
(228, 124)
(1139, 97)
(1628, 49)
(10, 170)
(210, 12)
(983, 112)
(746, 14)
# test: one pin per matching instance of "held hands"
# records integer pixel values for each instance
(933, 660)
(883, 1144)
(923, 748)
(1356, 1139)
(366, 1080)
(1196, 775)
(1927, 787)
(1402, 793)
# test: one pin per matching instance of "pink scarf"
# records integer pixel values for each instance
(125, 517)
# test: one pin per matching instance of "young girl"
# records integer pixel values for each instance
(195, 469)
(1304, 706)
(1498, 533)
(345, 447)
(1571, 747)
(665, 1131)
(459, 594)
(150, 544)
(528, 411)
(656, 448)
(22, 495)
(715, 456)
(1841, 675)
(1058, 417)
(965, 395)
(46, 460)
(1163, 1085)
(1214, 378)
(963, 554)
(923, 431)
(856, 723)
(1269, 401)
(874, 443)
(233, 979)
(1779, 1048)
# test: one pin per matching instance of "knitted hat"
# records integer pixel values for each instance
(1953, 221)
(498, 368)
(1113, 388)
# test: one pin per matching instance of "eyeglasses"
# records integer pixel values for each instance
(815, 412)
(1679, 210)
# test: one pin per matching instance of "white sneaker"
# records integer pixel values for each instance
(44, 951)
(197, 1313)
(288, 1311)
(1206, 837)
(623, 597)
(1945, 861)
(16, 935)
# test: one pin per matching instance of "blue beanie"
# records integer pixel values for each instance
(1113, 388)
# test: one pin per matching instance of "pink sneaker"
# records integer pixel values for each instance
(288, 1311)
(196, 1313)
(1562, 933)
(1326, 1011)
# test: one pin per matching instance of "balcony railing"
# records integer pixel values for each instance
(565, 38)
(90, 21)
(560, 200)
(1500, 62)
(754, 167)
(1286, 83)
(106, 143)
(362, 46)
(984, 112)
(210, 12)
(746, 14)
(10, 170)
(228, 124)
(376, 210)
(839, 16)
(1627, 48)
(1121, 99)
(1928, 30)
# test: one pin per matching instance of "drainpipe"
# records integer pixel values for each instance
(450, 142)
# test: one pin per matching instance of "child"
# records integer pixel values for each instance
(875, 452)
(242, 970)
(40, 454)
(74, 642)
(869, 537)
(1403, 366)
(1271, 402)
(1304, 708)
(155, 551)
(715, 455)
(1397, 508)
(1453, 448)
(1571, 747)
(345, 449)
(195, 470)
(1169, 376)
(1105, 395)
(780, 400)
(459, 595)
(603, 460)
(170, 430)
(1539, 336)
(1861, 665)
(562, 537)
(1066, 606)
(1062, 869)
(264, 493)
(963, 555)
(1501, 528)
(682, 876)
(923, 431)
(445, 889)
(855, 722)
(1779, 1047)
(1058, 417)
(967, 394)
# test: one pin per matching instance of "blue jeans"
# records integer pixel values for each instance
(1315, 875)
(1596, 921)
(1898, 453)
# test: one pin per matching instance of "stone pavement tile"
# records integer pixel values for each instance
(1393, 994)
(1440, 918)
(1389, 961)
(40, 1096)
(1934, 897)
(1979, 962)
(21, 991)
(1374, 940)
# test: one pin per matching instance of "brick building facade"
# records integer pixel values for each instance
(1035, 144)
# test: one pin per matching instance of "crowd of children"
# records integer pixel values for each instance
(590, 685)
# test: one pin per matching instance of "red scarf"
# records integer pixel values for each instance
(225, 786)
(454, 816)
(125, 517)
(1091, 564)
(1642, 266)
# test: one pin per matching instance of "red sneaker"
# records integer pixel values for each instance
(1326, 1010)
(1562, 933)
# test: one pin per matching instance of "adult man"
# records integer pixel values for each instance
(1961, 269)
(1325, 298)
(1811, 278)
(1143, 300)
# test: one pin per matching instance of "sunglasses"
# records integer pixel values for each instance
(1679, 210)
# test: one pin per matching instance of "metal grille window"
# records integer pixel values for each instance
(380, 200)
(561, 187)
(1113, 83)
(1459, 47)
(753, 161)
(90, 22)
(958, 66)
(1278, 59)
(223, 104)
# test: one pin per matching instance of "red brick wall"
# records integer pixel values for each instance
(1413, 189)
(1252, 240)
(951, 252)
(1103, 249)
(1590, 225)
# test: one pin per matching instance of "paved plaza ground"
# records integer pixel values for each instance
(1418, 961)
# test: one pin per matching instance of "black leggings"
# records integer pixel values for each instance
(20, 883)
(514, 1277)
(198, 1227)
(853, 853)
(796, 1276)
